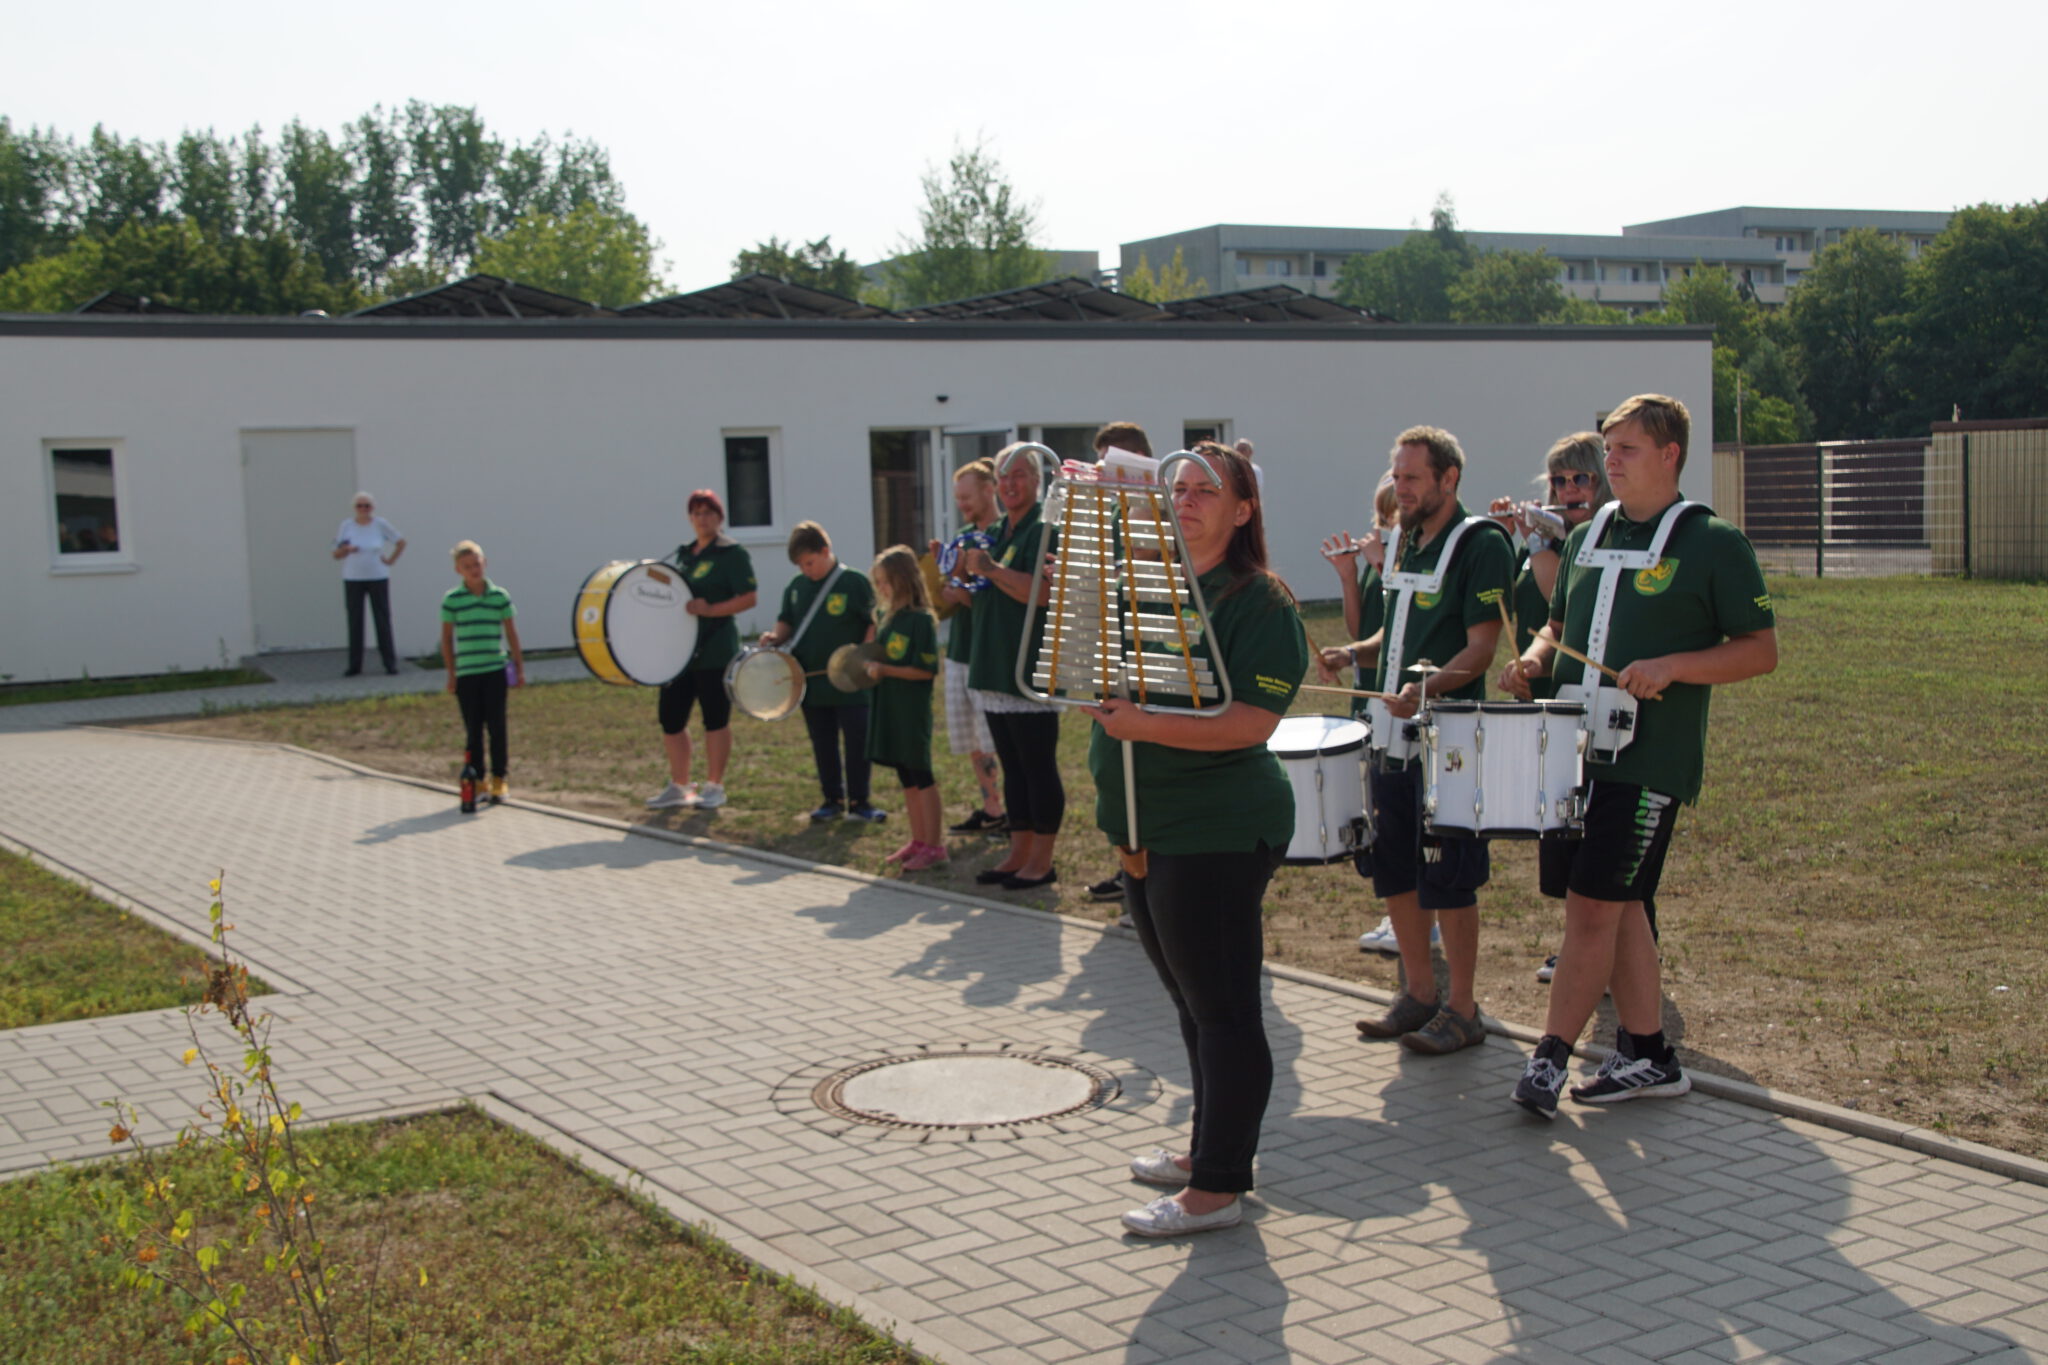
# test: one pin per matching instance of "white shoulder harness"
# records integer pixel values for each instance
(1386, 732)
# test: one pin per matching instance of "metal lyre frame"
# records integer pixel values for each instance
(1097, 624)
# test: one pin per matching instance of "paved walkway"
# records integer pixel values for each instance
(671, 1006)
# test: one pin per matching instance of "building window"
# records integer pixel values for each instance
(85, 500)
(749, 469)
(1322, 267)
(1192, 432)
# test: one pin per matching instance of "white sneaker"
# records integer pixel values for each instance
(1158, 1167)
(1164, 1217)
(675, 794)
(711, 795)
(1382, 940)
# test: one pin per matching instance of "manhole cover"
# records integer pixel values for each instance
(963, 1091)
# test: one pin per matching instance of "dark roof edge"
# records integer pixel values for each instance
(751, 329)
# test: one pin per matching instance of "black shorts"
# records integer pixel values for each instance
(1445, 874)
(706, 685)
(913, 779)
(1628, 831)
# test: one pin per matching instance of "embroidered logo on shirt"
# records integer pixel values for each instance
(835, 605)
(1426, 601)
(1764, 602)
(701, 569)
(1191, 622)
(1650, 582)
(899, 645)
(1278, 687)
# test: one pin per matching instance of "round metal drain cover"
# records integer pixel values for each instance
(964, 1091)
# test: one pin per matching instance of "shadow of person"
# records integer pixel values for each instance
(624, 851)
(414, 824)
(1227, 1302)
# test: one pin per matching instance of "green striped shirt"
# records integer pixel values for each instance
(479, 620)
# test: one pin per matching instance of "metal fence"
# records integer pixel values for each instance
(1971, 498)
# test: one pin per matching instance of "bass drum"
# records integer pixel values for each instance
(633, 626)
(765, 683)
(1324, 758)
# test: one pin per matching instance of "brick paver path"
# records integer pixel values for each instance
(669, 1006)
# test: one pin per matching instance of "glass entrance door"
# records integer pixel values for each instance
(958, 446)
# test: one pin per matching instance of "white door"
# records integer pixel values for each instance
(296, 488)
(962, 445)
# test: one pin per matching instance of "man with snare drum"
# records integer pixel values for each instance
(1445, 584)
(1667, 598)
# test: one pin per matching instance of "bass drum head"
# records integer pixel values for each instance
(767, 684)
(631, 625)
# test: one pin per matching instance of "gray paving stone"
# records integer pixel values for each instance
(1406, 1212)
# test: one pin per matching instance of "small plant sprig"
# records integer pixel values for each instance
(247, 1127)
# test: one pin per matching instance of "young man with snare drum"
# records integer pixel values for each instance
(1669, 597)
(1445, 583)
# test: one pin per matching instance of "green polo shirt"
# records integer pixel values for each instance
(1705, 588)
(1532, 613)
(998, 617)
(1191, 801)
(1372, 614)
(479, 619)
(721, 572)
(1480, 576)
(960, 624)
(848, 612)
(900, 717)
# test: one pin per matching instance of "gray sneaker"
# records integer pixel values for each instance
(711, 795)
(671, 797)
(1406, 1015)
(1448, 1032)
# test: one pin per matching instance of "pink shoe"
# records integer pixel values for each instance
(927, 856)
(904, 852)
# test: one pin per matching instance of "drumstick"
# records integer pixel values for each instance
(1569, 652)
(1351, 692)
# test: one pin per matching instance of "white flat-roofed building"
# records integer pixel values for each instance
(1796, 234)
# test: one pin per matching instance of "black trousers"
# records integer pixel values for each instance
(482, 699)
(833, 728)
(1198, 915)
(377, 591)
(1028, 747)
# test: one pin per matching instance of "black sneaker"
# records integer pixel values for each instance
(981, 822)
(831, 810)
(1634, 1078)
(1108, 889)
(1537, 1091)
(1405, 1015)
(861, 810)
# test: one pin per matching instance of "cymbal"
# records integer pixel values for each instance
(846, 669)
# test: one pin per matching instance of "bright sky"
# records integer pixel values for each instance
(728, 124)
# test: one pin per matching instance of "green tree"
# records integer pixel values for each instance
(178, 264)
(120, 183)
(1411, 282)
(1711, 298)
(1169, 283)
(1976, 300)
(1508, 286)
(815, 265)
(35, 185)
(454, 161)
(977, 236)
(606, 258)
(386, 231)
(318, 207)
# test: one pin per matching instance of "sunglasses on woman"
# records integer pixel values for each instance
(1577, 479)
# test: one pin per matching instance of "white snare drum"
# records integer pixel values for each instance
(1324, 758)
(1610, 718)
(765, 683)
(632, 625)
(1504, 769)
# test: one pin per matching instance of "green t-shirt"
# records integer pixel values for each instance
(1481, 574)
(999, 617)
(848, 612)
(479, 620)
(722, 572)
(1706, 588)
(1191, 801)
(1372, 614)
(1532, 613)
(900, 717)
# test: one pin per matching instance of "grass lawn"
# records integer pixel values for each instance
(65, 955)
(1867, 866)
(484, 1245)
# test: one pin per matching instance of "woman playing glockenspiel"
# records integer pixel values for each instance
(1215, 813)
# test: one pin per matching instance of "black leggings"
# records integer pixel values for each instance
(482, 699)
(834, 727)
(377, 592)
(1028, 747)
(1198, 915)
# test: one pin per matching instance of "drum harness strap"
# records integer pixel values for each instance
(824, 589)
(1388, 738)
(1612, 563)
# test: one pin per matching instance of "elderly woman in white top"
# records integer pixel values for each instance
(367, 546)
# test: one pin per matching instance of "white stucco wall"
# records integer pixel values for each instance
(561, 453)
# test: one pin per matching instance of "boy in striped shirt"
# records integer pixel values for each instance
(476, 630)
